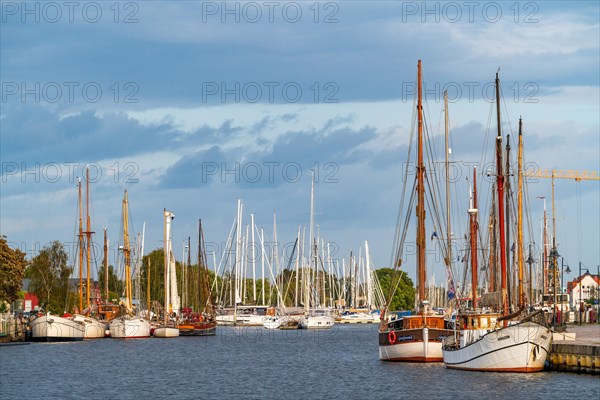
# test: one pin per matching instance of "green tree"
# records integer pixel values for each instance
(404, 296)
(115, 285)
(50, 277)
(12, 270)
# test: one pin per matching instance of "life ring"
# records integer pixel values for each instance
(392, 337)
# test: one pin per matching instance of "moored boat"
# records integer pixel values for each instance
(415, 338)
(52, 328)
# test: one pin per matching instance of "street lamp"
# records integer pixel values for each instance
(554, 267)
(581, 290)
(562, 284)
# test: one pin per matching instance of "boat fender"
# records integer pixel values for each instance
(392, 337)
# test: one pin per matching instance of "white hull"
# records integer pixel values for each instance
(123, 328)
(246, 320)
(272, 323)
(317, 322)
(521, 347)
(50, 328)
(166, 332)
(94, 329)
(360, 318)
(407, 349)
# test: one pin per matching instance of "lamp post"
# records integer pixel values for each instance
(562, 284)
(580, 292)
(554, 267)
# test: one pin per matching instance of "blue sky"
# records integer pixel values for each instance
(164, 98)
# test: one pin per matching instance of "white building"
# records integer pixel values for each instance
(583, 288)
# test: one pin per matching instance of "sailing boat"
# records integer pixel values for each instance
(168, 328)
(318, 317)
(94, 329)
(204, 322)
(500, 342)
(128, 325)
(415, 338)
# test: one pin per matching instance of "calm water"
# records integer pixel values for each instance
(255, 363)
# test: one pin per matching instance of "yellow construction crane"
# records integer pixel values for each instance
(564, 174)
(559, 174)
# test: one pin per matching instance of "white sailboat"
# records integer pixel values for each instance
(51, 328)
(94, 329)
(499, 342)
(168, 328)
(317, 317)
(127, 325)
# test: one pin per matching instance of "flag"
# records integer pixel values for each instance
(433, 235)
(451, 291)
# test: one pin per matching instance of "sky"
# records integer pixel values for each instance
(191, 105)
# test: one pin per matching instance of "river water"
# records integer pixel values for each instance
(254, 363)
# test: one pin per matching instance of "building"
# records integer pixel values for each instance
(583, 288)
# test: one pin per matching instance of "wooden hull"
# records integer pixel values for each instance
(416, 338)
(520, 347)
(134, 328)
(412, 345)
(50, 328)
(199, 329)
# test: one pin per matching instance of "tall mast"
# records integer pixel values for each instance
(106, 266)
(200, 269)
(88, 234)
(520, 214)
(554, 252)
(473, 230)
(253, 247)
(187, 272)
(421, 273)
(126, 249)
(509, 272)
(80, 247)
(448, 259)
(312, 254)
(545, 252)
(493, 245)
(148, 290)
(500, 189)
(166, 262)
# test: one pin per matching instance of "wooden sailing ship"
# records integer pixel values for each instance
(415, 338)
(203, 322)
(500, 340)
(127, 324)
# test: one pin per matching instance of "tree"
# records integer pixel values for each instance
(12, 270)
(50, 277)
(404, 296)
(115, 285)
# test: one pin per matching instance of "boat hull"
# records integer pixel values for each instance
(317, 322)
(51, 328)
(135, 328)
(361, 318)
(244, 319)
(201, 329)
(412, 345)
(166, 332)
(94, 329)
(521, 347)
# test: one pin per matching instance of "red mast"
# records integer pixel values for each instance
(473, 230)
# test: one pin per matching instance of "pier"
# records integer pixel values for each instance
(576, 350)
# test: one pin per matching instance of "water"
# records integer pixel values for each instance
(254, 363)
